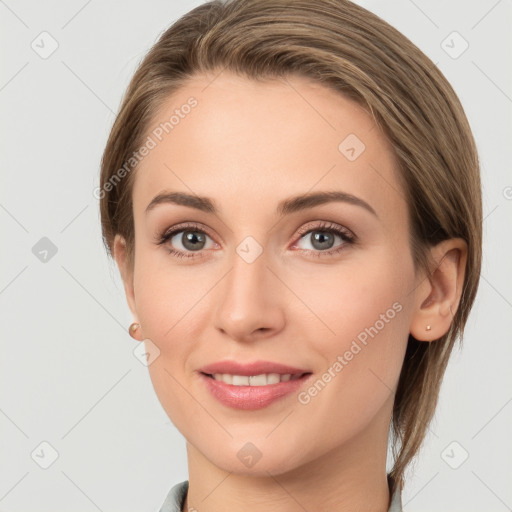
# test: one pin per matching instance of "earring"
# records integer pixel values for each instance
(428, 328)
(133, 327)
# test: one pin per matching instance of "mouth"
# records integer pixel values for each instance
(252, 392)
(264, 379)
(237, 370)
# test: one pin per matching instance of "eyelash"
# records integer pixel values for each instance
(347, 236)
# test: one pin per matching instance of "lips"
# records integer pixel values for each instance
(251, 398)
(251, 368)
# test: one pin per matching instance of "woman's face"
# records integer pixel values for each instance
(323, 286)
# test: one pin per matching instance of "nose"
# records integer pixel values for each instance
(250, 301)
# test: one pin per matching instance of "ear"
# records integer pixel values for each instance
(120, 256)
(438, 295)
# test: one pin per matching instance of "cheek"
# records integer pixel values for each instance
(358, 312)
(362, 350)
(344, 299)
(171, 304)
(168, 297)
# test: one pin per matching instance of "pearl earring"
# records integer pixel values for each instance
(132, 329)
(429, 327)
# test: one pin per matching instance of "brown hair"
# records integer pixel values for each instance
(345, 47)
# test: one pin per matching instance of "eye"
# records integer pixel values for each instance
(185, 240)
(192, 241)
(321, 239)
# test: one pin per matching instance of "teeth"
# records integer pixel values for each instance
(254, 380)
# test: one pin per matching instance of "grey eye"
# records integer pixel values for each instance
(321, 240)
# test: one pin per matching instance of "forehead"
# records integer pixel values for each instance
(243, 142)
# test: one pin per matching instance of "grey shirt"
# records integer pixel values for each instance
(176, 498)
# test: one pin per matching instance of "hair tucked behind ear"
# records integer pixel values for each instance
(343, 46)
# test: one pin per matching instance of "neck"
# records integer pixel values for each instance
(350, 477)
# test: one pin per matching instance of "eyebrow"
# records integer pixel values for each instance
(286, 207)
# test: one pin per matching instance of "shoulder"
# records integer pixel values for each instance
(175, 498)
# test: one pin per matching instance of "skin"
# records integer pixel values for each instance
(248, 145)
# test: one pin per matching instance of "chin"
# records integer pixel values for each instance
(253, 459)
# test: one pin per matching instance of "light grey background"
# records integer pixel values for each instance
(68, 374)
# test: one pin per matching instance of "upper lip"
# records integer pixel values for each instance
(248, 369)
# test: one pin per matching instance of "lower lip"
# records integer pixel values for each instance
(251, 397)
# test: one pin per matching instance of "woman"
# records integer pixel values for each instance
(292, 195)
